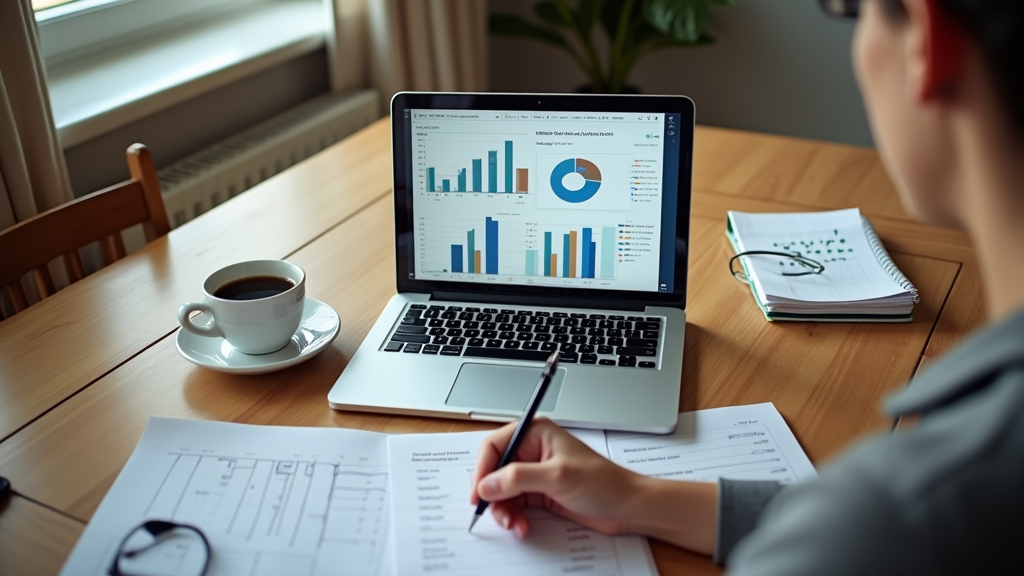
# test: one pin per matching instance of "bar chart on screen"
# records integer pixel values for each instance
(470, 165)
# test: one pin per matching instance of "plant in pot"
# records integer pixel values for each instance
(634, 29)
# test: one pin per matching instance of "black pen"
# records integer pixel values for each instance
(524, 424)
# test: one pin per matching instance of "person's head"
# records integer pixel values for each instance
(938, 78)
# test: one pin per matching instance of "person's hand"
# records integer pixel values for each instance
(555, 471)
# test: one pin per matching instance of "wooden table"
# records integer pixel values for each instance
(81, 372)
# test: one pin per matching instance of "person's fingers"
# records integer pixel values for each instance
(490, 453)
(520, 478)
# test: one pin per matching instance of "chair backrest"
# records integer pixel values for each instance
(101, 216)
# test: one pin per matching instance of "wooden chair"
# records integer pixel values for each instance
(62, 231)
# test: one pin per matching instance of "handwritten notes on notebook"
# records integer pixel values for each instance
(859, 276)
(326, 501)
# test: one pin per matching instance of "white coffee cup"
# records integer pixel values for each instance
(248, 308)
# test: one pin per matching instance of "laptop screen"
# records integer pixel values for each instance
(545, 198)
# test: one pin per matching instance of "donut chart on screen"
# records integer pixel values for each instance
(591, 178)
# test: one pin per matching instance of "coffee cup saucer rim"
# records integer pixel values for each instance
(319, 327)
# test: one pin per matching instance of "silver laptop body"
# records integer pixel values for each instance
(527, 224)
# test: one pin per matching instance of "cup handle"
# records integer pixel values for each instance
(184, 318)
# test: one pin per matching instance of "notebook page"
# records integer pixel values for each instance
(271, 500)
(738, 442)
(835, 239)
(430, 484)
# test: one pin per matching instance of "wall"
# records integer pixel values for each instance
(192, 125)
(779, 66)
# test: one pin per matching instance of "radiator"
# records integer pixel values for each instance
(224, 170)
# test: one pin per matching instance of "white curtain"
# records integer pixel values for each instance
(33, 175)
(395, 45)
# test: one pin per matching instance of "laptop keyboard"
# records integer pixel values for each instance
(525, 334)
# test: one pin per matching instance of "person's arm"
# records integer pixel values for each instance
(560, 473)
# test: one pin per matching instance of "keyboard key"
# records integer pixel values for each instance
(484, 317)
(490, 310)
(642, 343)
(439, 340)
(412, 348)
(507, 335)
(502, 317)
(454, 332)
(476, 341)
(624, 325)
(597, 316)
(627, 360)
(616, 341)
(568, 357)
(394, 347)
(635, 351)
(613, 317)
(414, 313)
(578, 339)
(489, 325)
(449, 315)
(453, 324)
(455, 308)
(588, 349)
(588, 323)
(561, 338)
(646, 364)
(438, 308)
(613, 333)
(418, 307)
(431, 313)
(650, 334)
(431, 349)
(489, 334)
(403, 329)
(542, 337)
(436, 323)
(567, 347)
(531, 345)
(422, 339)
(604, 349)
(595, 332)
(577, 331)
(471, 325)
(606, 362)
(560, 315)
(653, 319)
(577, 315)
(472, 309)
(436, 332)
(511, 344)
(507, 311)
(541, 329)
(606, 324)
(543, 315)
(525, 312)
(524, 328)
(451, 351)
(494, 343)
(505, 326)
(505, 354)
(559, 330)
(635, 319)
(553, 321)
(517, 319)
(596, 340)
(457, 341)
(647, 326)
(549, 347)
(414, 321)
(471, 333)
(466, 316)
(523, 336)
(588, 359)
(572, 322)
(632, 333)
(536, 320)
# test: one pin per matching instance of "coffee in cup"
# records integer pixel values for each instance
(256, 306)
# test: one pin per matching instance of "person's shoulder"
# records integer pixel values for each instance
(935, 498)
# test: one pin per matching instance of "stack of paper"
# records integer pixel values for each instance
(316, 501)
(860, 283)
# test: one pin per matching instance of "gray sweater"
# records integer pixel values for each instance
(945, 497)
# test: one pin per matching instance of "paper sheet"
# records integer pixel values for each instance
(738, 442)
(430, 484)
(271, 500)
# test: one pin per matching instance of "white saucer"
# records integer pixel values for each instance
(320, 326)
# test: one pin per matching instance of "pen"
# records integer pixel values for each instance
(524, 424)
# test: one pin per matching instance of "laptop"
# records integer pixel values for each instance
(527, 224)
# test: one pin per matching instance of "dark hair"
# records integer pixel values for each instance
(997, 27)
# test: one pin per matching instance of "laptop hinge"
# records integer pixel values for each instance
(556, 302)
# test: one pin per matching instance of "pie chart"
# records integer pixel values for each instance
(575, 180)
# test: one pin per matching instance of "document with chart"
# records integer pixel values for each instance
(430, 484)
(270, 500)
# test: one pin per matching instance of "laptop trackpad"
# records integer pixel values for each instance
(495, 387)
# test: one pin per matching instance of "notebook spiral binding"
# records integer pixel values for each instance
(886, 261)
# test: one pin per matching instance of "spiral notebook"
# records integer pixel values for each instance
(860, 282)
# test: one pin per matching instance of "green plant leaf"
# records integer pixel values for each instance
(684, 20)
(513, 26)
(588, 13)
(548, 12)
